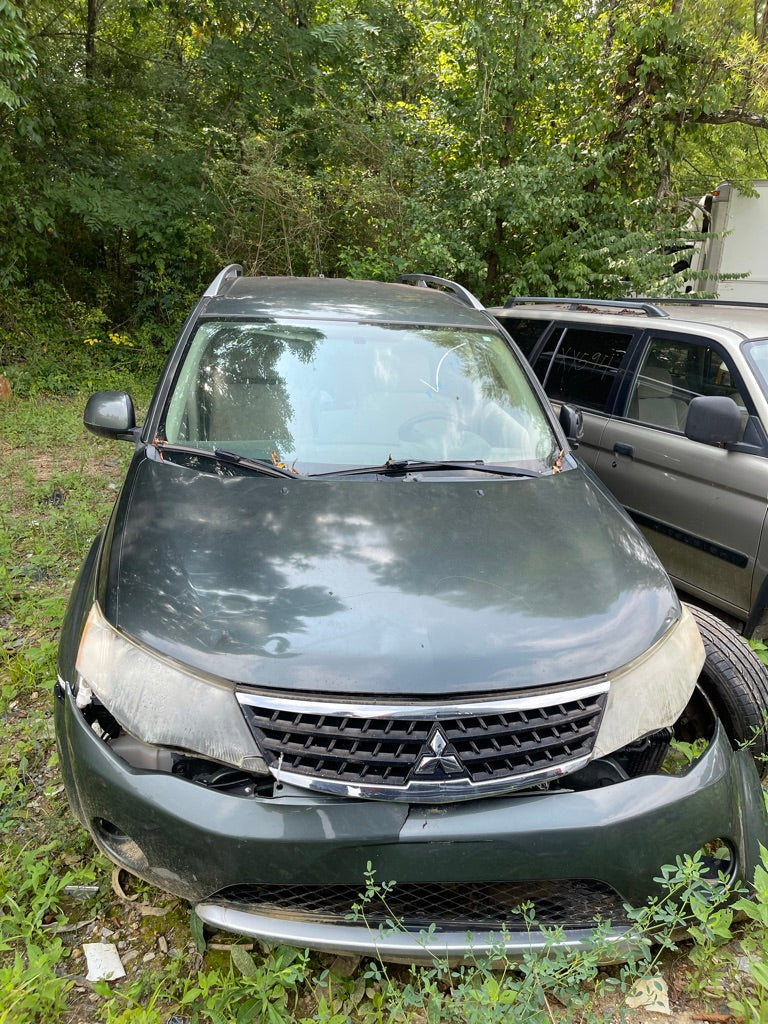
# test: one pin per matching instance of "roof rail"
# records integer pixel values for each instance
(692, 300)
(217, 285)
(641, 306)
(458, 291)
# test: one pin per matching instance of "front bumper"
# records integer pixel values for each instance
(202, 845)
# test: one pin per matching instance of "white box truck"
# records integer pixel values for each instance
(736, 224)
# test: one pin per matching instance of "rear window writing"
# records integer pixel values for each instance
(581, 366)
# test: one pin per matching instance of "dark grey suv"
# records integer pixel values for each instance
(358, 603)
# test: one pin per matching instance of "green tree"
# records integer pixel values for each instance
(539, 146)
(17, 58)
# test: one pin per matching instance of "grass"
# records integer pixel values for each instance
(57, 486)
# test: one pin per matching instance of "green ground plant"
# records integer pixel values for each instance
(761, 649)
(57, 892)
(53, 344)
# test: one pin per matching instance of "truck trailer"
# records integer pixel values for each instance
(732, 258)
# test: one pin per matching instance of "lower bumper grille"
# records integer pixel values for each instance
(470, 906)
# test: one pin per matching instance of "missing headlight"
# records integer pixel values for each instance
(666, 752)
(645, 756)
(101, 720)
(221, 777)
(147, 757)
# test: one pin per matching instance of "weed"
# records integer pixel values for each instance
(30, 989)
(681, 755)
(246, 990)
(32, 985)
(761, 650)
(493, 989)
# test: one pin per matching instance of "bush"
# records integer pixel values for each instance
(51, 344)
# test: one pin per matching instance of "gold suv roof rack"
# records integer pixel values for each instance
(635, 305)
(692, 300)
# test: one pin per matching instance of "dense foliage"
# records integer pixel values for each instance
(539, 146)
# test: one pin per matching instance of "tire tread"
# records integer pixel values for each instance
(736, 681)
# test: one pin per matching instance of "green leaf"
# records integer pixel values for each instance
(759, 972)
(198, 934)
(244, 962)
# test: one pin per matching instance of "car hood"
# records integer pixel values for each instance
(417, 587)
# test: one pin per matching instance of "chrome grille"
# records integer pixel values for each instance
(470, 906)
(447, 751)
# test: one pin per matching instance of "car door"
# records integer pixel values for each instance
(701, 507)
(584, 366)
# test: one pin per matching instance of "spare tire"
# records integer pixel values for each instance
(736, 682)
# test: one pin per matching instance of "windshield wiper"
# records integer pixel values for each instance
(264, 466)
(392, 467)
(401, 467)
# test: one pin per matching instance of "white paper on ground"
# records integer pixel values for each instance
(103, 961)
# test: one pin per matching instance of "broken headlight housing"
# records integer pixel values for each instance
(651, 692)
(158, 702)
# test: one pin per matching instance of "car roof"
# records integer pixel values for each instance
(751, 321)
(327, 298)
(748, 320)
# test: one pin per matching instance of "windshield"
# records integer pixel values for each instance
(332, 394)
(757, 353)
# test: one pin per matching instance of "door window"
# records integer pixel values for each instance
(581, 366)
(675, 370)
(524, 332)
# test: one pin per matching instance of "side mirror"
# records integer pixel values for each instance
(111, 414)
(713, 419)
(572, 422)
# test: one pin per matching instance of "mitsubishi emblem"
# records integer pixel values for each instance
(438, 762)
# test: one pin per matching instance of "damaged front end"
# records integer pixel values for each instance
(562, 797)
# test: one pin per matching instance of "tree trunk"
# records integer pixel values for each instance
(91, 25)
